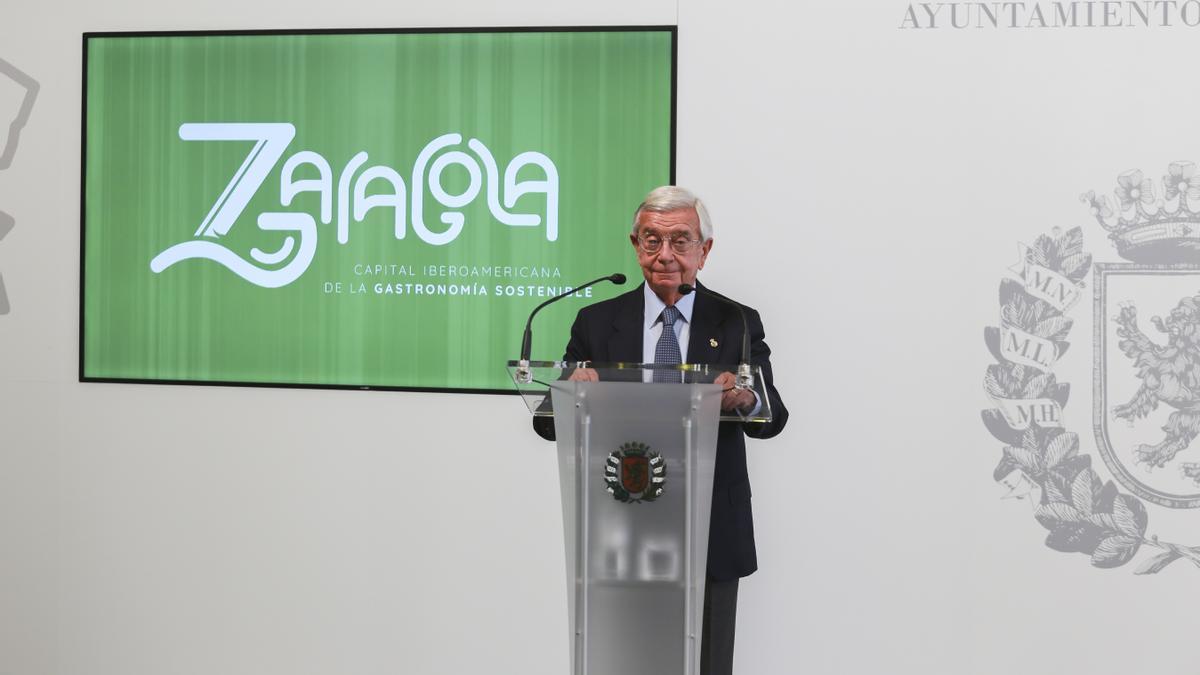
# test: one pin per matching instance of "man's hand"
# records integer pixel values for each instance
(584, 375)
(731, 398)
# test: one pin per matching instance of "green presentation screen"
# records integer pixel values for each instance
(359, 208)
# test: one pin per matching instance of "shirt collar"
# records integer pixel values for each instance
(655, 306)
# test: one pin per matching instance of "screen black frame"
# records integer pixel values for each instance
(672, 30)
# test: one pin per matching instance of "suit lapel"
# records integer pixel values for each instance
(705, 331)
(625, 342)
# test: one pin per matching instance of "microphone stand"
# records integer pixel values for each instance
(523, 374)
(745, 376)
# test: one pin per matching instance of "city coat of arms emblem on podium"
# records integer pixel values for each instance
(634, 474)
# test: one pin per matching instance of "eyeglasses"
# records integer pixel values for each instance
(652, 243)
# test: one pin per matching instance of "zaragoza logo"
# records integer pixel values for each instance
(1146, 387)
(273, 269)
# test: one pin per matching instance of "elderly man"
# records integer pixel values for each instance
(672, 236)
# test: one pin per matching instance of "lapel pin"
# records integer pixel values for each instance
(712, 342)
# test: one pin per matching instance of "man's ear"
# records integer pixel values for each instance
(704, 249)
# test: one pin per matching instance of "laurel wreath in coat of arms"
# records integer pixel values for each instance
(634, 474)
(1083, 513)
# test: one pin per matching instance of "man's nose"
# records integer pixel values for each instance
(666, 254)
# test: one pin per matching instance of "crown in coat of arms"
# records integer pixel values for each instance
(1147, 227)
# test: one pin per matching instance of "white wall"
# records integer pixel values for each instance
(869, 185)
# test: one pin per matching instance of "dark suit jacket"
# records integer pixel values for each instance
(611, 331)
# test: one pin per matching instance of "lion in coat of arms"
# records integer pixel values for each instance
(1169, 374)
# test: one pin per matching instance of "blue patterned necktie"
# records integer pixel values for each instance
(667, 349)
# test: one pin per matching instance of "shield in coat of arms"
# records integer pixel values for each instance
(635, 472)
(1146, 404)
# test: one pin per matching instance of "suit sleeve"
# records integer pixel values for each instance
(577, 350)
(760, 355)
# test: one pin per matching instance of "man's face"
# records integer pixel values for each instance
(666, 269)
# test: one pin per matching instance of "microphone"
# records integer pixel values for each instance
(745, 376)
(523, 374)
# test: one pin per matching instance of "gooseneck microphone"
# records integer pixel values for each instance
(745, 376)
(523, 374)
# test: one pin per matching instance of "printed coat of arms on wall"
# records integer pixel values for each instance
(1146, 386)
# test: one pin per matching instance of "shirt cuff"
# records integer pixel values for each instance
(757, 404)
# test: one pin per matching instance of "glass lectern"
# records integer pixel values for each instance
(636, 451)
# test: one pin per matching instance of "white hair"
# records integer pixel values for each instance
(673, 198)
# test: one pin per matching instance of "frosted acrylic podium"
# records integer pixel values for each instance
(635, 461)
